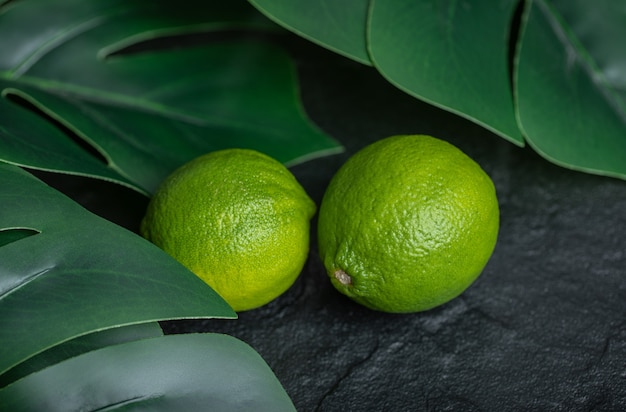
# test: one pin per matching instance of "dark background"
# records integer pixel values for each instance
(543, 328)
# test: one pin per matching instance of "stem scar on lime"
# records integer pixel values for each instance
(342, 277)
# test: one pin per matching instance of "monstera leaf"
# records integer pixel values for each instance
(78, 300)
(554, 78)
(80, 345)
(337, 25)
(194, 372)
(571, 83)
(66, 273)
(66, 75)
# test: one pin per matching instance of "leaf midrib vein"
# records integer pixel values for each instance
(87, 94)
(587, 62)
(52, 44)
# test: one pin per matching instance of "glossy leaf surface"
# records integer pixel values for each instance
(337, 25)
(449, 53)
(80, 274)
(571, 83)
(192, 372)
(556, 79)
(79, 346)
(148, 112)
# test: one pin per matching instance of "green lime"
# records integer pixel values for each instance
(407, 224)
(236, 218)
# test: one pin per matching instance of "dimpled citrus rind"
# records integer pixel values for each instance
(236, 218)
(407, 224)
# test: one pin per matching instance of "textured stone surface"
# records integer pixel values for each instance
(543, 328)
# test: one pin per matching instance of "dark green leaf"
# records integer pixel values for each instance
(571, 83)
(26, 139)
(80, 274)
(79, 346)
(193, 372)
(10, 235)
(569, 68)
(336, 25)
(145, 113)
(451, 54)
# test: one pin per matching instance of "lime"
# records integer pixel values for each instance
(236, 218)
(407, 224)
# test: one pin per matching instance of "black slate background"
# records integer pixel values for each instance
(542, 329)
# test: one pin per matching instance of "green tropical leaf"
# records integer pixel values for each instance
(337, 25)
(448, 53)
(192, 372)
(451, 54)
(145, 113)
(79, 346)
(568, 94)
(571, 83)
(12, 235)
(81, 274)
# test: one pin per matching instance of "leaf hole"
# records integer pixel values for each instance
(77, 139)
(13, 235)
(514, 34)
(187, 40)
(4, 5)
